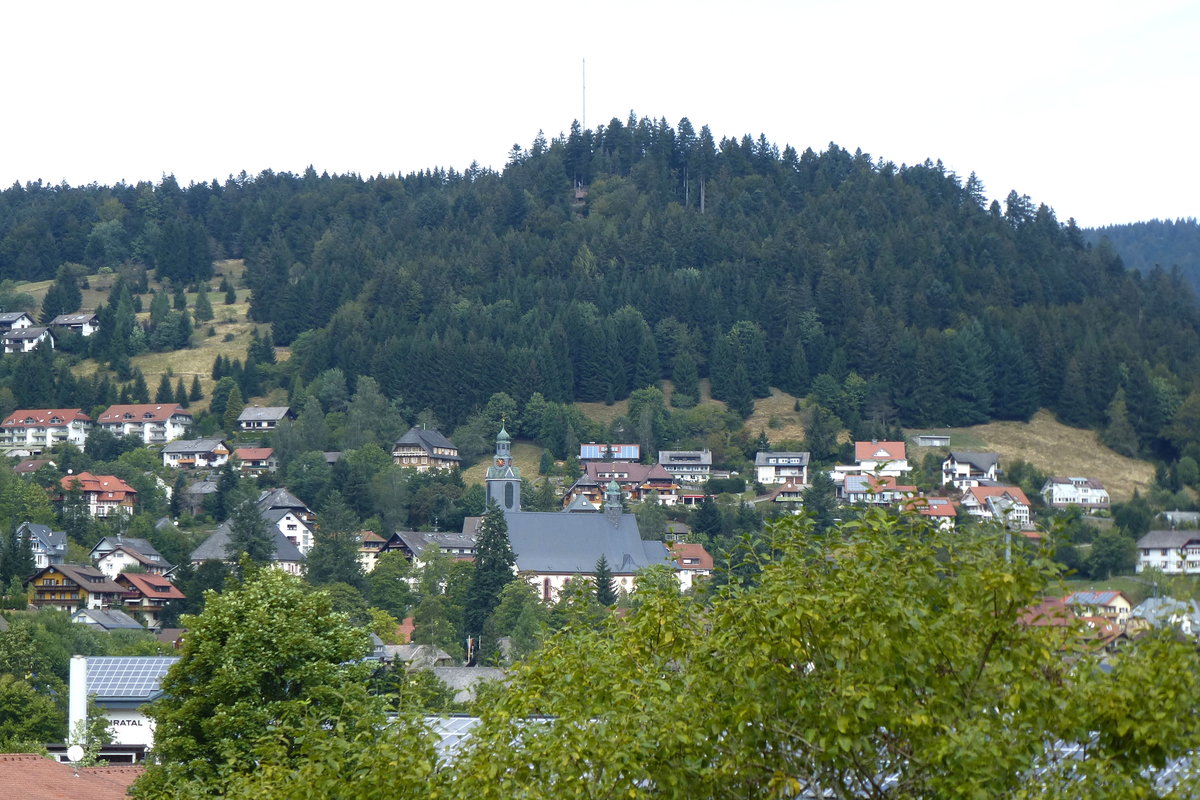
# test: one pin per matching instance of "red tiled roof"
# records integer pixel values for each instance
(148, 585)
(253, 453)
(879, 451)
(33, 777)
(888, 482)
(99, 483)
(159, 412)
(42, 416)
(682, 550)
(982, 493)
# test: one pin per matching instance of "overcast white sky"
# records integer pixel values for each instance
(1089, 107)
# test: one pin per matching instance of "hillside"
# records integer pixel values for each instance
(1158, 243)
(1054, 449)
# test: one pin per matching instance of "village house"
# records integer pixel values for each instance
(153, 423)
(147, 594)
(425, 450)
(263, 418)
(638, 482)
(938, 510)
(255, 460)
(23, 340)
(687, 466)
(284, 554)
(964, 469)
(693, 562)
(609, 452)
(459, 546)
(791, 493)
(195, 453)
(113, 555)
(773, 467)
(48, 547)
(85, 323)
(1112, 606)
(1087, 493)
(1007, 505)
(35, 430)
(66, 587)
(102, 495)
(14, 320)
(121, 687)
(881, 458)
(874, 490)
(28, 466)
(110, 619)
(1173, 552)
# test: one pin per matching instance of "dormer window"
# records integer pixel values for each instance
(148, 415)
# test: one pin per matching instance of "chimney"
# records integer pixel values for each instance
(77, 699)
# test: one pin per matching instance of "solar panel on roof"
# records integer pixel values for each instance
(132, 677)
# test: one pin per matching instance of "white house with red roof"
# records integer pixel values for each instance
(255, 460)
(153, 423)
(1007, 505)
(881, 458)
(693, 562)
(939, 510)
(103, 495)
(42, 428)
(147, 594)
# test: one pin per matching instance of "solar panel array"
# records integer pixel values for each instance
(133, 677)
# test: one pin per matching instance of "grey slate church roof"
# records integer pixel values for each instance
(553, 541)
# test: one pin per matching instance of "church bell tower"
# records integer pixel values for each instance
(503, 478)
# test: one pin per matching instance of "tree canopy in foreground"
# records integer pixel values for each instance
(882, 659)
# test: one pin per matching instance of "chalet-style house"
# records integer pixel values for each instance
(23, 340)
(638, 482)
(103, 495)
(425, 450)
(414, 545)
(554, 547)
(216, 547)
(147, 594)
(110, 619)
(370, 548)
(1173, 552)
(113, 555)
(1114, 606)
(48, 547)
(195, 453)
(609, 452)
(1007, 505)
(791, 492)
(14, 320)
(874, 490)
(255, 460)
(263, 418)
(85, 323)
(772, 467)
(153, 423)
(35, 430)
(938, 510)
(693, 562)
(881, 458)
(1087, 493)
(687, 466)
(66, 587)
(964, 469)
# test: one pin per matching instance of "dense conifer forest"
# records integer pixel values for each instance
(1157, 243)
(601, 261)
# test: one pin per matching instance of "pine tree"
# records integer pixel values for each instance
(1120, 435)
(606, 585)
(494, 560)
(164, 394)
(196, 393)
(230, 293)
(233, 409)
(202, 309)
(139, 393)
(181, 395)
(179, 299)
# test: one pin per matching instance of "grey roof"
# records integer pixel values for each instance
(216, 546)
(551, 541)
(280, 498)
(1160, 611)
(1167, 539)
(52, 541)
(78, 318)
(25, 333)
(581, 504)
(464, 680)
(263, 413)
(194, 445)
(201, 487)
(981, 461)
(12, 316)
(670, 458)
(417, 541)
(418, 655)
(109, 543)
(110, 620)
(761, 458)
(427, 440)
(127, 677)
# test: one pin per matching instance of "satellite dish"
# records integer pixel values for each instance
(75, 753)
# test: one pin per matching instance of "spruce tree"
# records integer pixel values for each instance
(233, 409)
(196, 393)
(139, 393)
(606, 585)
(164, 394)
(494, 560)
(181, 395)
(202, 309)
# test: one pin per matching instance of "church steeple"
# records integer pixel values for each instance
(503, 479)
(612, 503)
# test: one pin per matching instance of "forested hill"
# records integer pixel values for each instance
(599, 262)
(1165, 243)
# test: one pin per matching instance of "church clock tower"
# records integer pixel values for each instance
(503, 478)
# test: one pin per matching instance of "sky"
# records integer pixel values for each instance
(1088, 107)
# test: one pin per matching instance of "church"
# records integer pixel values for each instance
(553, 547)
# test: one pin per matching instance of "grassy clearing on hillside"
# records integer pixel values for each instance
(526, 457)
(1056, 449)
(230, 325)
(776, 416)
